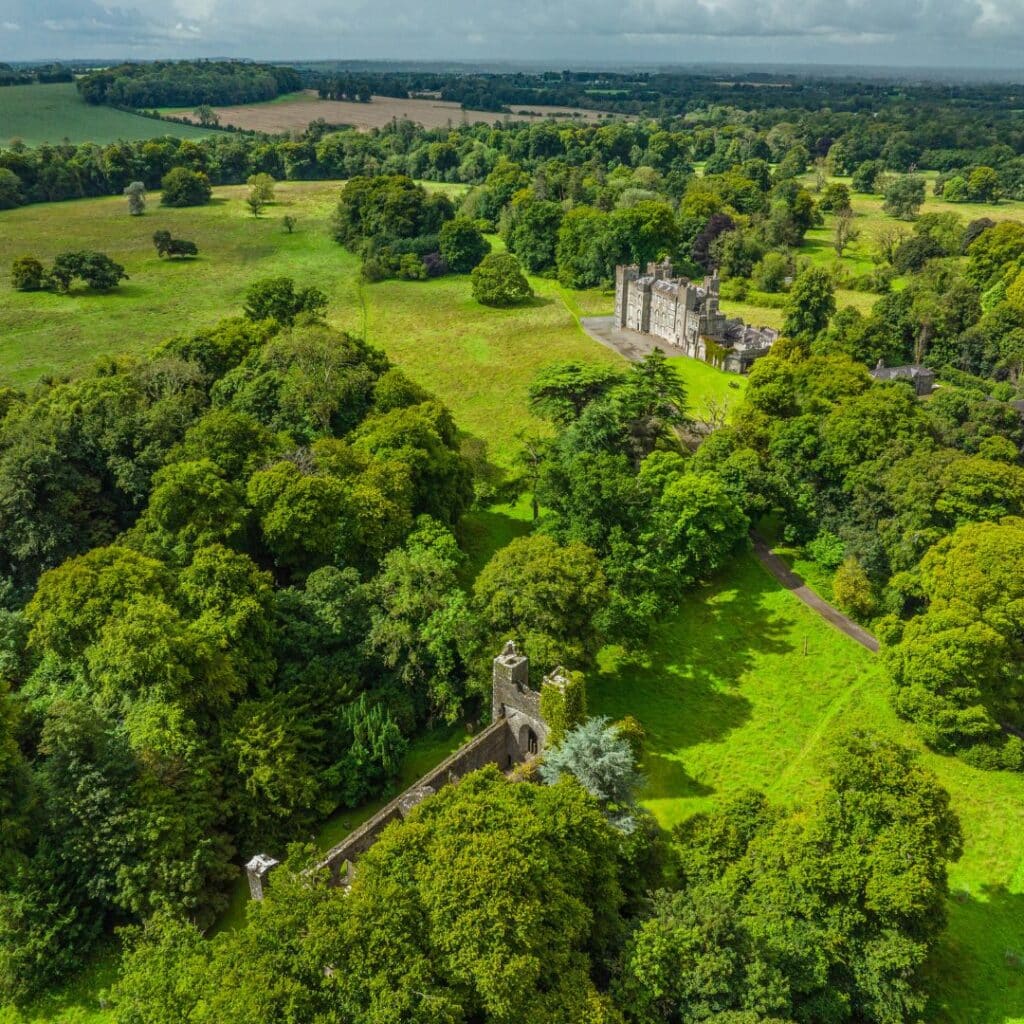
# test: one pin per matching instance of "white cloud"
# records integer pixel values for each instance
(684, 31)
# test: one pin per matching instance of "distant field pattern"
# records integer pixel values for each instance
(296, 111)
(37, 114)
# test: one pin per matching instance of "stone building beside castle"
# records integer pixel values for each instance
(687, 316)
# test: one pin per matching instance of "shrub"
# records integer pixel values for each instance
(852, 590)
(955, 190)
(182, 187)
(174, 248)
(633, 733)
(866, 175)
(770, 274)
(915, 252)
(411, 267)
(498, 281)
(277, 298)
(827, 550)
(95, 269)
(27, 274)
(835, 197)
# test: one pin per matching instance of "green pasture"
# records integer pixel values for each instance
(744, 686)
(53, 113)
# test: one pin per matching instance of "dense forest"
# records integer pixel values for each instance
(187, 83)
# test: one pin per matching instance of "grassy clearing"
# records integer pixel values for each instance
(729, 699)
(708, 388)
(53, 113)
(434, 329)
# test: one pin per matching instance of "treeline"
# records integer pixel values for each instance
(755, 97)
(187, 83)
(469, 153)
(41, 74)
(360, 88)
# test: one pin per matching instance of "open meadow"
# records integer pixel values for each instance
(742, 685)
(293, 113)
(51, 113)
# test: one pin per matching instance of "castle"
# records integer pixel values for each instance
(686, 315)
(518, 733)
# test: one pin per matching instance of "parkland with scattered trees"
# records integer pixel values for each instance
(244, 576)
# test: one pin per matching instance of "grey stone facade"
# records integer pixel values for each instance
(517, 733)
(687, 316)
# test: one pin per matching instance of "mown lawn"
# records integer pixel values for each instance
(54, 112)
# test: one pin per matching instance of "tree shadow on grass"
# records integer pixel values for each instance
(485, 531)
(684, 690)
(976, 976)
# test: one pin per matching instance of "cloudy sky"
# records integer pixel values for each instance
(933, 33)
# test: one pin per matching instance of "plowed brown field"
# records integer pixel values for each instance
(294, 113)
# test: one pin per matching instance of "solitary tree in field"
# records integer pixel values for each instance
(174, 248)
(255, 203)
(904, 196)
(206, 115)
(261, 185)
(184, 187)
(498, 281)
(845, 232)
(136, 193)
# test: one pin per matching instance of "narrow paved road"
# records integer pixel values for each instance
(789, 579)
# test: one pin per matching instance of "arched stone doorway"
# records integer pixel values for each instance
(529, 744)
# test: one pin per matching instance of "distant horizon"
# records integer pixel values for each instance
(951, 37)
(481, 64)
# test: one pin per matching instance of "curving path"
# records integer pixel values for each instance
(795, 584)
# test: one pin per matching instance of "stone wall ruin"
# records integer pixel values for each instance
(517, 733)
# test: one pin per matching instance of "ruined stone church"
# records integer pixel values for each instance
(686, 315)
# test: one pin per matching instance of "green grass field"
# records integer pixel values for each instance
(727, 693)
(730, 699)
(37, 114)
